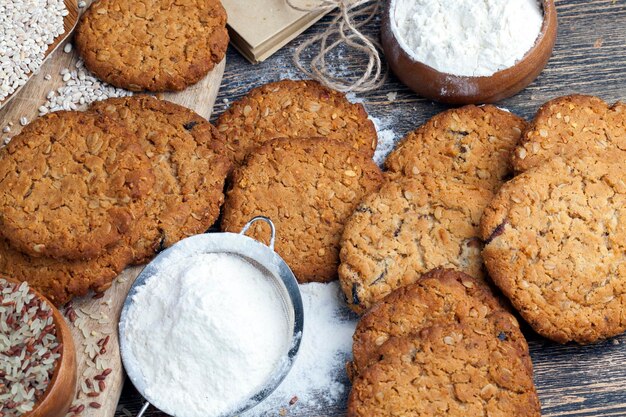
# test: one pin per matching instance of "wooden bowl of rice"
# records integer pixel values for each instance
(61, 388)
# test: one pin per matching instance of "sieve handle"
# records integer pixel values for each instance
(263, 219)
(143, 409)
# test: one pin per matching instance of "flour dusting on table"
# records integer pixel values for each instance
(318, 377)
(386, 139)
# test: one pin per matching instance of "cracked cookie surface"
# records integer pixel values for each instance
(470, 144)
(441, 295)
(308, 188)
(186, 152)
(70, 185)
(155, 45)
(60, 281)
(408, 227)
(555, 242)
(447, 369)
(571, 124)
(295, 109)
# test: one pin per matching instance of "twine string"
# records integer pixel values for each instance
(345, 30)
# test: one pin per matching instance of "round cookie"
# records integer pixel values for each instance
(470, 144)
(295, 109)
(568, 125)
(60, 281)
(408, 227)
(555, 239)
(154, 45)
(67, 184)
(308, 187)
(441, 295)
(186, 155)
(450, 370)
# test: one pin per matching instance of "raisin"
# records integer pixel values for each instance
(396, 233)
(496, 232)
(190, 125)
(380, 277)
(355, 296)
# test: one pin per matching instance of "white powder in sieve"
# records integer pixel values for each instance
(318, 377)
(467, 37)
(206, 335)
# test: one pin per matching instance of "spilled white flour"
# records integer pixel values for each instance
(387, 137)
(205, 335)
(318, 376)
(467, 37)
(386, 140)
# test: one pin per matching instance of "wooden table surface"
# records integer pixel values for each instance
(590, 58)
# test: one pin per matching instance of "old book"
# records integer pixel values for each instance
(259, 28)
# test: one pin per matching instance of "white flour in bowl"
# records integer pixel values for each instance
(467, 37)
(206, 335)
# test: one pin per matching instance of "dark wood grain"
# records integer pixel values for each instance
(589, 57)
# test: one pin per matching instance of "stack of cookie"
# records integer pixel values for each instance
(438, 342)
(554, 236)
(83, 194)
(304, 156)
(427, 214)
(443, 345)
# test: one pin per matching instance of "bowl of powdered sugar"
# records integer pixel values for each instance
(212, 326)
(467, 51)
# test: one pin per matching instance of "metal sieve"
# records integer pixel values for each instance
(258, 255)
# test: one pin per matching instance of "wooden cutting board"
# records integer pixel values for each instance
(94, 321)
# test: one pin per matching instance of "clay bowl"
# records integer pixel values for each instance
(60, 393)
(453, 89)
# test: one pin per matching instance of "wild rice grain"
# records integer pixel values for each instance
(29, 348)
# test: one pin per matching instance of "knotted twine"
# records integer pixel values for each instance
(344, 30)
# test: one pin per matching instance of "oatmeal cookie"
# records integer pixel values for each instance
(308, 187)
(60, 281)
(441, 295)
(186, 155)
(68, 185)
(408, 227)
(295, 109)
(571, 124)
(470, 144)
(452, 370)
(555, 238)
(154, 45)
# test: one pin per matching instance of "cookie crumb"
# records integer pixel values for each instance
(599, 42)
